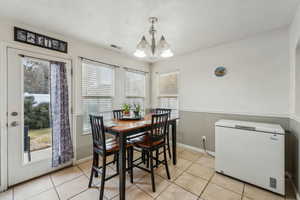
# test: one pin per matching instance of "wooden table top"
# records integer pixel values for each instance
(122, 126)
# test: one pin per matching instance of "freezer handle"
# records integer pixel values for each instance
(248, 128)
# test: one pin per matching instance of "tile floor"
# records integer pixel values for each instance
(193, 178)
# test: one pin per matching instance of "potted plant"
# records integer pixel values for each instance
(137, 110)
(126, 108)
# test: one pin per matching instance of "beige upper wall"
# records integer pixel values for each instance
(257, 81)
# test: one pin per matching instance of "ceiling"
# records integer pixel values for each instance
(188, 25)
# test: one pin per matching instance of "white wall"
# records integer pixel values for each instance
(295, 66)
(294, 33)
(297, 83)
(295, 90)
(257, 81)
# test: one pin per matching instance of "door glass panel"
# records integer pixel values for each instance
(37, 135)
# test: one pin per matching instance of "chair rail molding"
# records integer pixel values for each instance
(236, 113)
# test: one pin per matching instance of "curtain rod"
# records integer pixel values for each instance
(48, 60)
(135, 70)
(98, 62)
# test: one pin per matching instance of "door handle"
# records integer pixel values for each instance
(14, 124)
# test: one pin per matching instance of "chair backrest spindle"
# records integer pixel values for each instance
(118, 114)
(98, 132)
(159, 124)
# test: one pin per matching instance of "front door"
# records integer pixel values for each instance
(29, 114)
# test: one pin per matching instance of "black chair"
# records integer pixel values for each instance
(153, 142)
(27, 142)
(105, 147)
(118, 114)
(168, 111)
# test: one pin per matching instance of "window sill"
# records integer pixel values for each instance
(86, 133)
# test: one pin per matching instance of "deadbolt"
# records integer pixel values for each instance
(14, 124)
(14, 114)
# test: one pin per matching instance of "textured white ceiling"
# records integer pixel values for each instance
(188, 25)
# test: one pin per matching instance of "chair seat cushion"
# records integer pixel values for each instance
(137, 138)
(112, 145)
(148, 142)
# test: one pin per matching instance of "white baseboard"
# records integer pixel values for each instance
(77, 162)
(195, 149)
(289, 176)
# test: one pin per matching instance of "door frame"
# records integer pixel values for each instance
(4, 46)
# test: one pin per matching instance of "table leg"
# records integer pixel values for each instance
(122, 166)
(174, 149)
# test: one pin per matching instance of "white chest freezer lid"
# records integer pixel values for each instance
(252, 126)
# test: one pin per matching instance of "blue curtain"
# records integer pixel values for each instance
(62, 148)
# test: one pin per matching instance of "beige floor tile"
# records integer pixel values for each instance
(111, 187)
(7, 195)
(89, 194)
(190, 155)
(246, 198)
(182, 164)
(180, 149)
(145, 184)
(174, 192)
(138, 173)
(48, 195)
(228, 183)
(72, 188)
(97, 180)
(85, 166)
(256, 193)
(191, 183)
(134, 193)
(65, 175)
(32, 187)
(200, 171)
(215, 192)
(174, 172)
(206, 161)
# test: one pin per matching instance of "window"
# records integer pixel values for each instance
(168, 91)
(135, 88)
(97, 91)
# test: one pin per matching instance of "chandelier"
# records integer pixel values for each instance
(153, 50)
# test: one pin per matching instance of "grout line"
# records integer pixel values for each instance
(208, 182)
(54, 187)
(243, 191)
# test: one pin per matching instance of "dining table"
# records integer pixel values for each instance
(125, 128)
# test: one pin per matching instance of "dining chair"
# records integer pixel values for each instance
(168, 111)
(153, 142)
(105, 147)
(118, 114)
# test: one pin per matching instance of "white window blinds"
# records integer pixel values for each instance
(97, 91)
(97, 80)
(168, 91)
(135, 84)
(101, 106)
(168, 84)
(137, 101)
